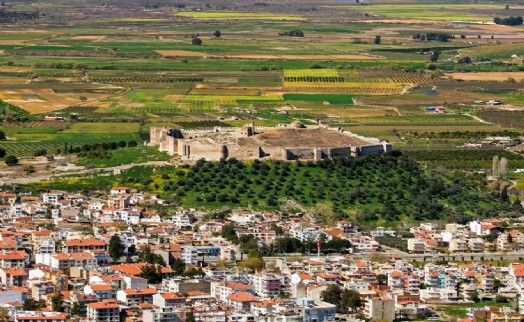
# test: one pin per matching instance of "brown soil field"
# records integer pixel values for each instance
(45, 100)
(12, 42)
(496, 28)
(408, 21)
(174, 97)
(487, 76)
(184, 53)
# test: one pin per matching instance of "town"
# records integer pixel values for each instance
(70, 256)
(261, 161)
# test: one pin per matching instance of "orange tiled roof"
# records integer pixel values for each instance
(139, 291)
(85, 242)
(15, 272)
(101, 287)
(242, 297)
(107, 304)
(172, 296)
(18, 255)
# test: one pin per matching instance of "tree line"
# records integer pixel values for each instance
(434, 36)
(14, 16)
(510, 21)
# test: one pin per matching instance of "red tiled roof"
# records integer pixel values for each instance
(172, 296)
(242, 297)
(101, 287)
(15, 272)
(107, 304)
(19, 255)
(85, 242)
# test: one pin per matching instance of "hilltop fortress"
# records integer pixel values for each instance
(291, 142)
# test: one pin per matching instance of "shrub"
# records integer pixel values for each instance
(11, 160)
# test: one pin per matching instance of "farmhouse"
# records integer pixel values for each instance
(293, 142)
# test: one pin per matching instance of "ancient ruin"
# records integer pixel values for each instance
(291, 142)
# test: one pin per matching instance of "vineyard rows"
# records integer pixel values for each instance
(36, 125)
(61, 52)
(267, 105)
(261, 103)
(146, 80)
(46, 85)
(360, 79)
(344, 90)
(315, 79)
(410, 79)
(311, 73)
(26, 150)
(157, 110)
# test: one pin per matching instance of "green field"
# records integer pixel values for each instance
(119, 71)
(215, 98)
(139, 154)
(331, 98)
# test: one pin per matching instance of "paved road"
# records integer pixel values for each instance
(100, 171)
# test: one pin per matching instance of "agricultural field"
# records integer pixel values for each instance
(112, 74)
(446, 12)
(237, 16)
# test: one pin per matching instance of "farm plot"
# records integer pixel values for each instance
(331, 98)
(26, 144)
(231, 98)
(410, 79)
(417, 120)
(145, 79)
(311, 73)
(237, 16)
(26, 150)
(201, 106)
(36, 125)
(61, 52)
(45, 100)
(103, 127)
(487, 76)
(446, 12)
(224, 91)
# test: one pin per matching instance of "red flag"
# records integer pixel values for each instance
(318, 244)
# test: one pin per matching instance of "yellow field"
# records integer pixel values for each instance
(237, 16)
(341, 84)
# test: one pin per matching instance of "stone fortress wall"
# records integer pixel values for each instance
(289, 142)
